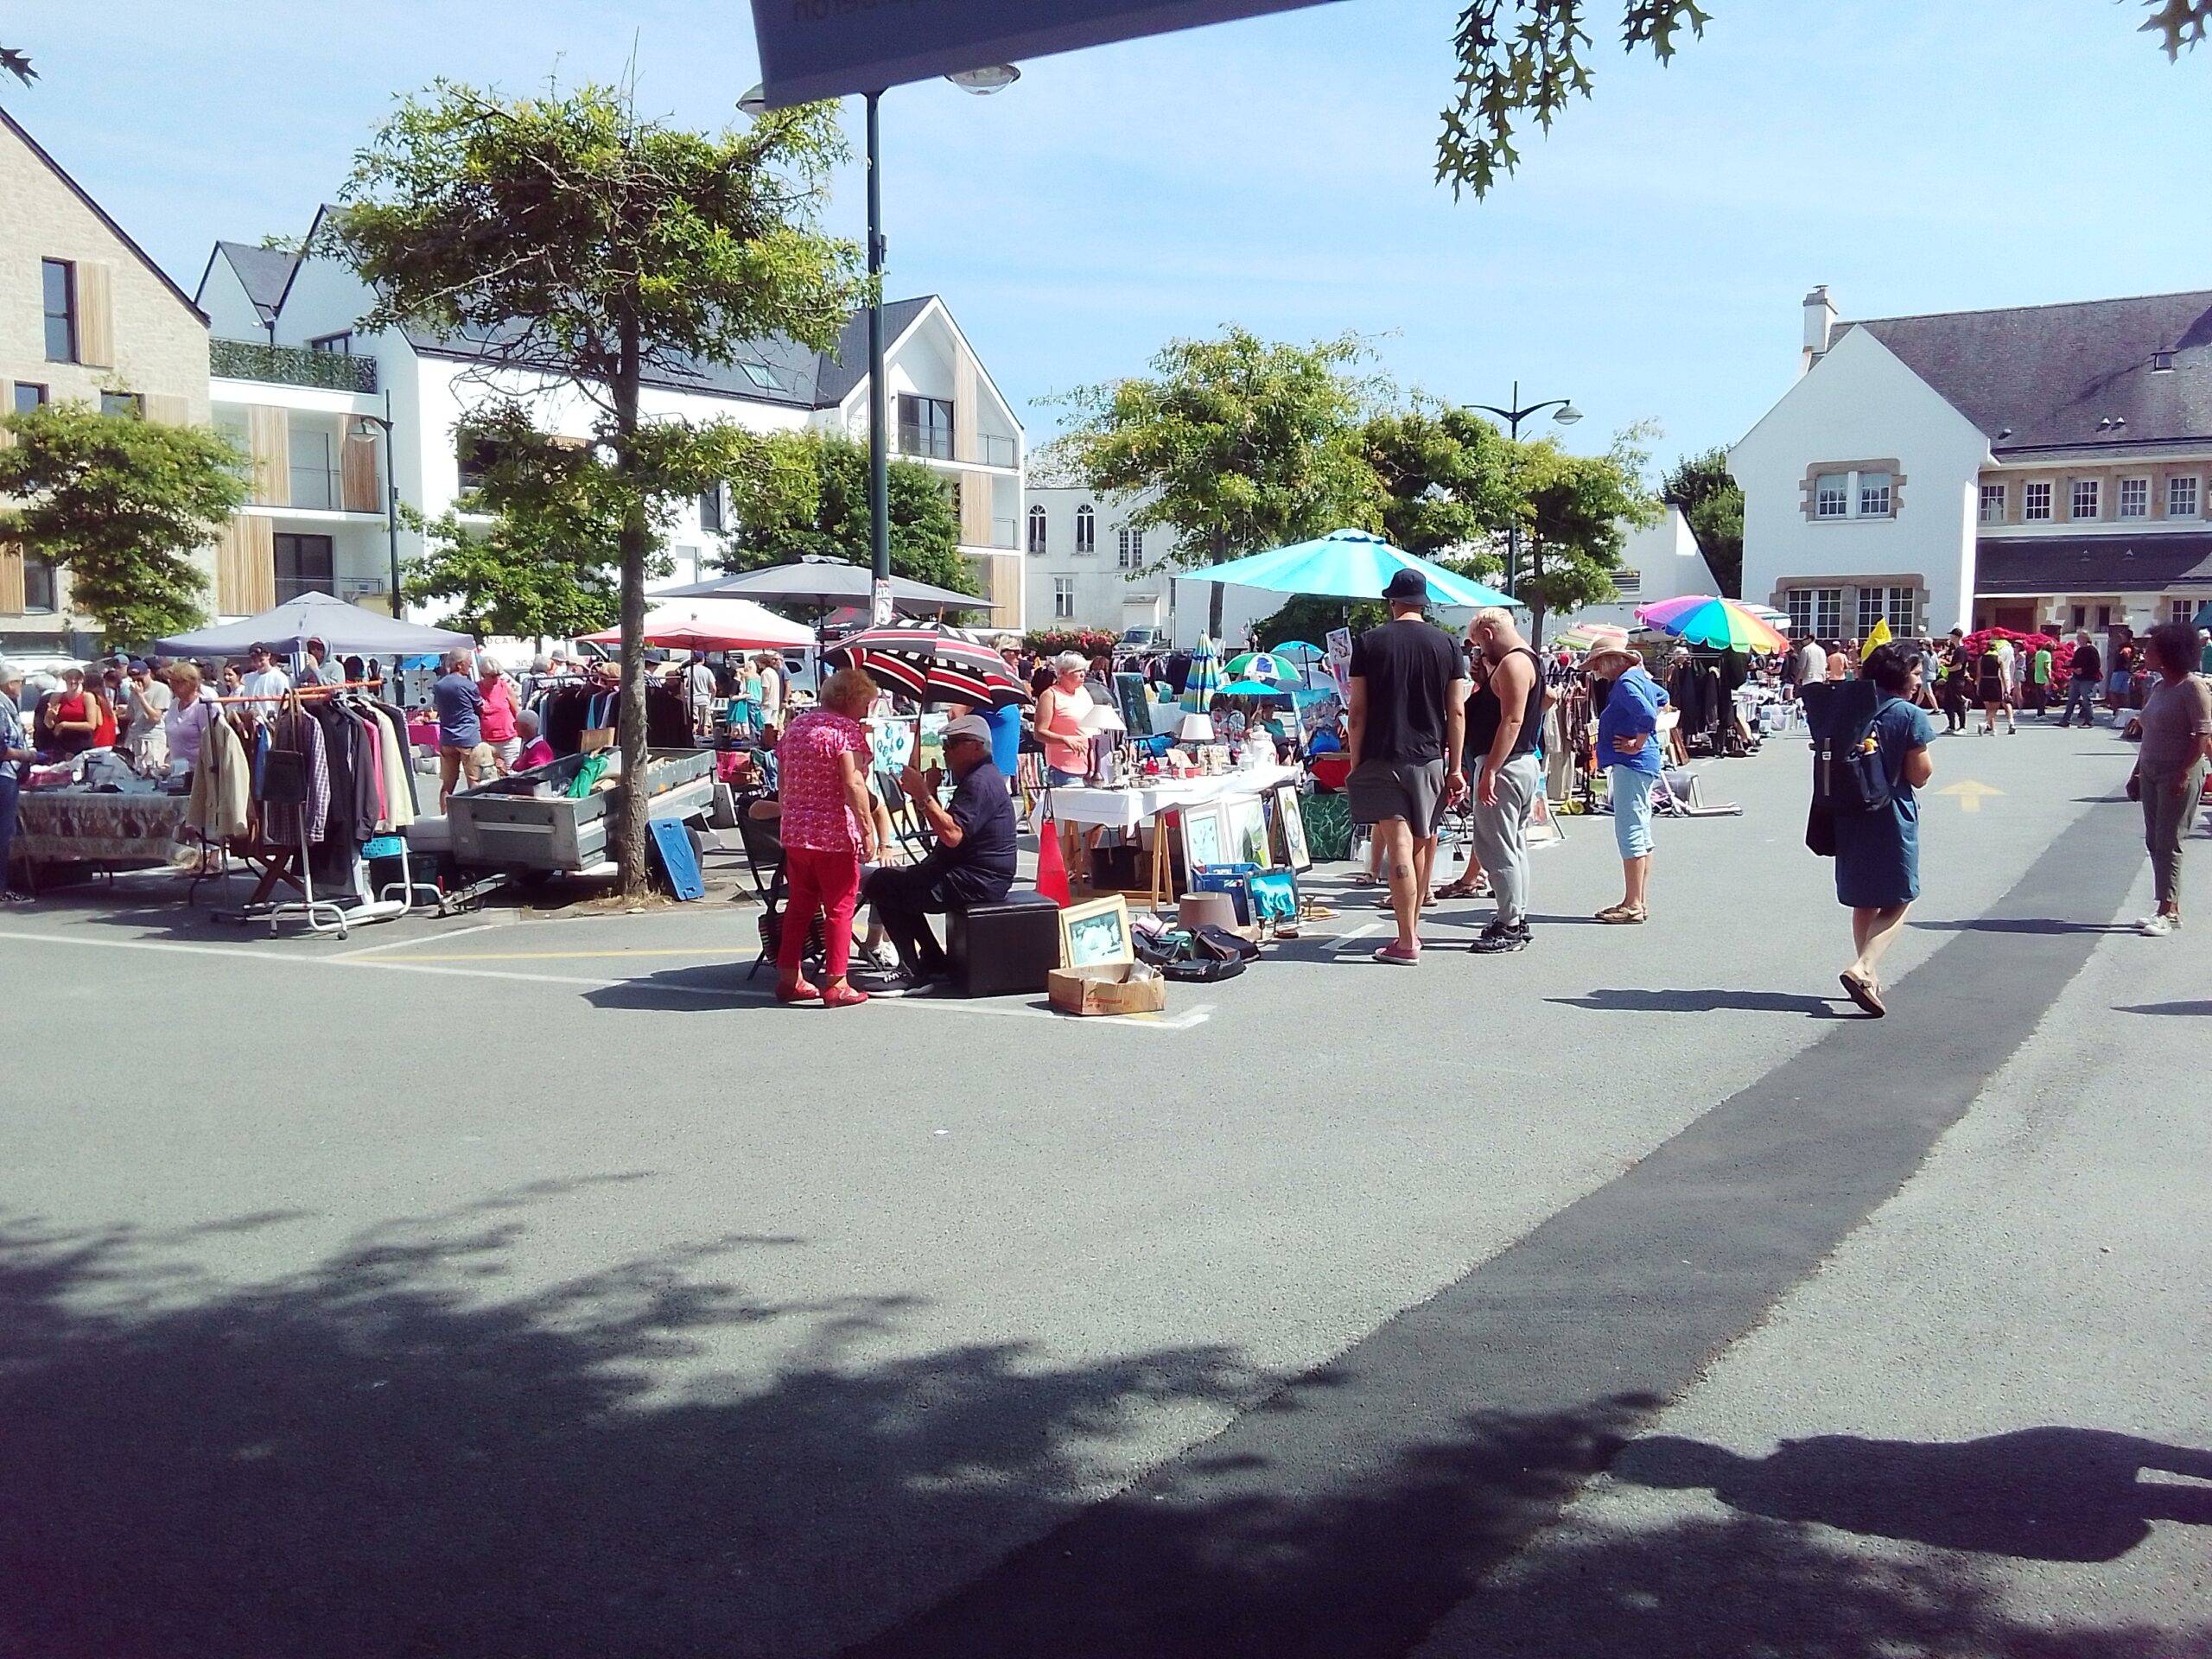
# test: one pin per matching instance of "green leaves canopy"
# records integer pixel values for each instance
(1712, 503)
(1244, 444)
(811, 497)
(121, 504)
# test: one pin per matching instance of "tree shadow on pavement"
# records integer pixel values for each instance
(1706, 1002)
(2020, 924)
(398, 1452)
(1741, 1587)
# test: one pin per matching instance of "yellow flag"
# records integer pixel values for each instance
(1879, 636)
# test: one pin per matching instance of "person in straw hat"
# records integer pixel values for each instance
(1628, 701)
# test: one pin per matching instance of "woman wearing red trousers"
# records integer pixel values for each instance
(829, 831)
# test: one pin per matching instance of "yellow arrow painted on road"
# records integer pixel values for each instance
(1970, 793)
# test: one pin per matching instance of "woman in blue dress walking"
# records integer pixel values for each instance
(1877, 853)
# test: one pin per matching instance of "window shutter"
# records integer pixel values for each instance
(11, 579)
(96, 313)
(357, 477)
(246, 567)
(268, 443)
(169, 409)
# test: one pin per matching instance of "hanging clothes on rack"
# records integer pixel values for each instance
(220, 808)
(295, 780)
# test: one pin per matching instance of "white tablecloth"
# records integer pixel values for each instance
(1125, 809)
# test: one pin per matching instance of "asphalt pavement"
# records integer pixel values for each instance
(517, 1285)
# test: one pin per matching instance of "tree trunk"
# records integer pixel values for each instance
(634, 543)
(1214, 593)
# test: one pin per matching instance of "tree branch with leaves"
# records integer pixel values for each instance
(122, 504)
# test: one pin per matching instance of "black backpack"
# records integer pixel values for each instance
(1848, 774)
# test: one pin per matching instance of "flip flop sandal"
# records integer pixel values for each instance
(1863, 993)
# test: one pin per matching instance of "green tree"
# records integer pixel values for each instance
(1711, 503)
(121, 504)
(1307, 617)
(1451, 482)
(810, 496)
(1520, 61)
(1243, 444)
(586, 246)
(1580, 509)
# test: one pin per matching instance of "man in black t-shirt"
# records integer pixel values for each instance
(971, 864)
(1407, 689)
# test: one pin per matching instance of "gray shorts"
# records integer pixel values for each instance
(1397, 789)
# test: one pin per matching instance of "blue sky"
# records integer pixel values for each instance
(1648, 260)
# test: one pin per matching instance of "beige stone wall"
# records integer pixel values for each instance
(156, 344)
(160, 343)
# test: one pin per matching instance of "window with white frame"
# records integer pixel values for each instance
(1992, 504)
(2134, 501)
(1129, 548)
(1832, 495)
(1063, 598)
(2181, 498)
(1086, 530)
(1039, 535)
(1873, 495)
(1871, 609)
(2182, 610)
(2035, 502)
(2084, 497)
(1817, 612)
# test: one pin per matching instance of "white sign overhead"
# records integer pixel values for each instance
(827, 48)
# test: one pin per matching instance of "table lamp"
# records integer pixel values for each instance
(1195, 728)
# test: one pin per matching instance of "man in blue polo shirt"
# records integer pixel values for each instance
(1629, 750)
(971, 864)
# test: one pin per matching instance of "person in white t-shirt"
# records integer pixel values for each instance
(145, 700)
(1812, 663)
(264, 681)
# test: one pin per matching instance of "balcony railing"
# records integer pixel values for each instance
(290, 365)
(993, 450)
(1003, 534)
(929, 442)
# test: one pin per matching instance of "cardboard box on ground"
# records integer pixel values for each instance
(1109, 988)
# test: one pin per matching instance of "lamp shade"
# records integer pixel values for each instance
(1195, 728)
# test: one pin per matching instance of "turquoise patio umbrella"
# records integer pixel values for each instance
(1346, 564)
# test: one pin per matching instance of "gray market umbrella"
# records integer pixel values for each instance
(346, 629)
(826, 583)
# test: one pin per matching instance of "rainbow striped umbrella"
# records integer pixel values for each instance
(1715, 623)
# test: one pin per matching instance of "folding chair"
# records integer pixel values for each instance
(1677, 796)
(764, 863)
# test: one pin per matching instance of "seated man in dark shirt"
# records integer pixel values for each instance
(972, 862)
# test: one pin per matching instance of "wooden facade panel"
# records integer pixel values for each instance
(268, 443)
(246, 567)
(976, 509)
(965, 445)
(11, 579)
(357, 479)
(96, 313)
(168, 409)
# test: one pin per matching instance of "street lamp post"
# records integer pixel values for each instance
(1568, 415)
(391, 497)
(982, 82)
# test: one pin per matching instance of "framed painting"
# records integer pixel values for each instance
(1290, 828)
(1245, 831)
(1205, 839)
(1095, 932)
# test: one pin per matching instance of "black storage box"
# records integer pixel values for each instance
(1004, 948)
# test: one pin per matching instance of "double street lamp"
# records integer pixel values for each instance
(1512, 415)
(362, 423)
(982, 82)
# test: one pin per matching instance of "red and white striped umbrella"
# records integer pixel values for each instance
(932, 663)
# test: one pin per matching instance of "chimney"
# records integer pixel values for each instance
(1820, 325)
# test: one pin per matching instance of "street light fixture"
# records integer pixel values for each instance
(983, 81)
(1566, 415)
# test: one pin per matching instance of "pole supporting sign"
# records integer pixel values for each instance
(828, 48)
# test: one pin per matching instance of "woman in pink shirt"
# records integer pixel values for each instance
(496, 719)
(828, 832)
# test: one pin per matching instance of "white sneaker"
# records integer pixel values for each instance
(2159, 927)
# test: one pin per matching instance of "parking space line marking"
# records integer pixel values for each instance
(401, 944)
(1347, 940)
(1188, 1020)
(710, 953)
